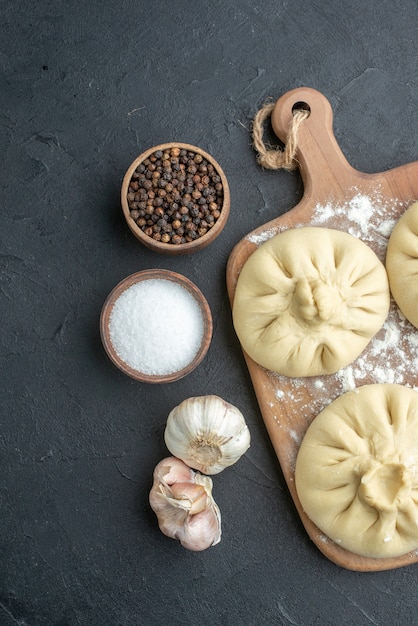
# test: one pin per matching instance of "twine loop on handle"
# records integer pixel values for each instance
(275, 159)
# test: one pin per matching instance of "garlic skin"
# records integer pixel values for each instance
(207, 433)
(183, 503)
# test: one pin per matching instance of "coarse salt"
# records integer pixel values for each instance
(156, 327)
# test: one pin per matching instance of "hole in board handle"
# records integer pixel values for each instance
(301, 106)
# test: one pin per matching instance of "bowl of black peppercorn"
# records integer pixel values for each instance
(175, 198)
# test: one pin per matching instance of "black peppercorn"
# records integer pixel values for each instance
(175, 196)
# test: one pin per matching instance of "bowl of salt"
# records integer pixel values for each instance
(156, 326)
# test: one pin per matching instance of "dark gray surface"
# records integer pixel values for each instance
(85, 87)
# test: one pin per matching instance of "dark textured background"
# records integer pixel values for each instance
(85, 87)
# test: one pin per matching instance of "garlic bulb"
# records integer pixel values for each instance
(207, 433)
(182, 500)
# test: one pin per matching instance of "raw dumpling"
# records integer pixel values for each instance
(402, 264)
(309, 300)
(356, 470)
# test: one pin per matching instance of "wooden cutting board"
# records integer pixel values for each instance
(367, 206)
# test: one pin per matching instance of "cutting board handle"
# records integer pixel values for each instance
(321, 162)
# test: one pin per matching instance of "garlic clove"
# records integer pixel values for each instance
(201, 531)
(172, 470)
(167, 473)
(182, 500)
(207, 433)
(194, 495)
(170, 517)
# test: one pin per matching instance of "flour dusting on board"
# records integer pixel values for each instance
(368, 218)
(392, 355)
(265, 235)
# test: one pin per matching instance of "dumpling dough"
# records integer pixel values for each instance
(356, 470)
(309, 300)
(402, 264)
